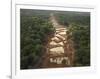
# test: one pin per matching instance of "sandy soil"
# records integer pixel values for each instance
(59, 49)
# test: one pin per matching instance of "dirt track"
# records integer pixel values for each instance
(59, 49)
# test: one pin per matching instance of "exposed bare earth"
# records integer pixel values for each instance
(59, 49)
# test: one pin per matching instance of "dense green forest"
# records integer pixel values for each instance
(78, 24)
(67, 18)
(34, 30)
(81, 38)
(63, 17)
